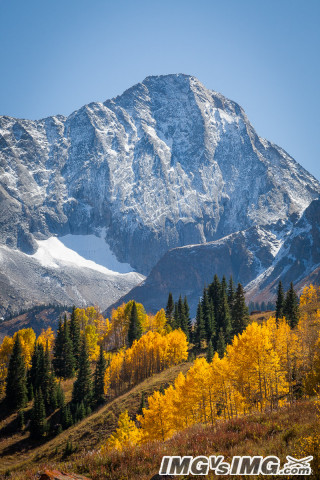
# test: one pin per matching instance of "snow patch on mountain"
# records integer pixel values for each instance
(54, 253)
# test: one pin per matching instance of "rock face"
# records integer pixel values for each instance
(167, 164)
(186, 270)
(256, 257)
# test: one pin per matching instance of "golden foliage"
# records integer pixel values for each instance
(126, 435)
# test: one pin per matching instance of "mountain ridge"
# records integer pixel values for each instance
(166, 164)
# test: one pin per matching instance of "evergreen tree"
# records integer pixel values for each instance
(99, 378)
(280, 302)
(176, 318)
(187, 318)
(291, 307)
(210, 352)
(58, 360)
(200, 331)
(38, 425)
(231, 293)
(63, 361)
(16, 381)
(49, 386)
(182, 318)
(224, 318)
(135, 329)
(208, 316)
(170, 310)
(214, 292)
(240, 313)
(75, 336)
(37, 369)
(221, 344)
(66, 417)
(82, 387)
(69, 361)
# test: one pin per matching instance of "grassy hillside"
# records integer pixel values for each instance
(18, 451)
(278, 433)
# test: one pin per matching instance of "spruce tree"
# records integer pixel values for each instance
(69, 361)
(170, 310)
(280, 302)
(188, 319)
(49, 385)
(135, 329)
(214, 292)
(75, 336)
(16, 381)
(224, 316)
(58, 360)
(82, 387)
(208, 316)
(176, 318)
(240, 312)
(210, 352)
(200, 331)
(221, 344)
(99, 378)
(183, 318)
(38, 424)
(291, 307)
(231, 293)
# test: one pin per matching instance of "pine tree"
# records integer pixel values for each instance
(231, 293)
(82, 387)
(170, 310)
(221, 344)
(188, 319)
(210, 352)
(240, 313)
(214, 292)
(58, 360)
(99, 378)
(176, 318)
(66, 417)
(38, 425)
(182, 318)
(291, 307)
(208, 316)
(36, 372)
(135, 329)
(69, 361)
(49, 386)
(16, 381)
(280, 302)
(75, 336)
(200, 331)
(224, 318)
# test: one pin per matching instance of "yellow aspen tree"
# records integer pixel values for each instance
(157, 420)
(45, 338)
(126, 435)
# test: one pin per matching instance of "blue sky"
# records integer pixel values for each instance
(56, 55)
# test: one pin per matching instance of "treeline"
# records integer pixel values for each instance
(152, 353)
(221, 313)
(261, 307)
(265, 366)
(102, 356)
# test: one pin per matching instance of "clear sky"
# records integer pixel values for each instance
(57, 55)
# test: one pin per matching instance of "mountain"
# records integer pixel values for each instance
(256, 257)
(166, 164)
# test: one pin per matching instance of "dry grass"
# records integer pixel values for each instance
(18, 451)
(276, 433)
